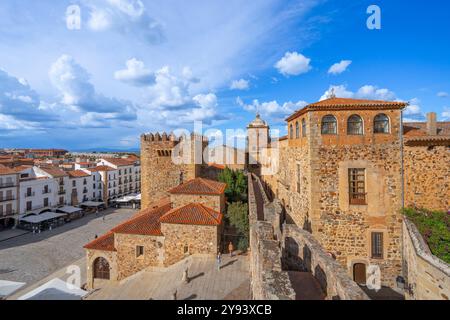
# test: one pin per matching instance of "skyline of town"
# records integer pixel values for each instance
(170, 72)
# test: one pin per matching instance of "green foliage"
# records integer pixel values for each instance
(435, 229)
(237, 216)
(236, 184)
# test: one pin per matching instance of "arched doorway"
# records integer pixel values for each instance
(359, 273)
(101, 268)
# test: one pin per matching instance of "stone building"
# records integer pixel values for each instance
(339, 177)
(427, 164)
(167, 161)
(188, 222)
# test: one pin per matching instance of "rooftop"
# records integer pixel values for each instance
(6, 171)
(200, 186)
(77, 174)
(193, 214)
(120, 162)
(145, 223)
(348, 104)
(101, 168)
(54, 172)
(104, 243)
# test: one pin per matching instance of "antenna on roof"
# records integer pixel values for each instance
(332, 93)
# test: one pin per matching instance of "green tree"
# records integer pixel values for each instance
(236, 184)
(237, 216)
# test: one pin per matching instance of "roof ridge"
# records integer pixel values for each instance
(207, 210)
(138, 216)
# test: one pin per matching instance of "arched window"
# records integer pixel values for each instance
(381, 124)
(355, 125)
(303, 128)
(291, 132)
(329, 125)
(101, 268)
(297, 130)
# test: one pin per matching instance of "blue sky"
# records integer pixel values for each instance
(151, 65)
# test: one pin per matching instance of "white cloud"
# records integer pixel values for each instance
(446, 114)
(271, 107)
(365, 92)
(442, 94)
(240, 84)
(99, 20)
(294, 64)
(340, 67)
(135, 74)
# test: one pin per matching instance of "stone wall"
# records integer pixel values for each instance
(196, 239)
(216, 202)
(427, 277)
(301, 251)
(159, 172)
(127, 261)
(275, 247)
(427, 177)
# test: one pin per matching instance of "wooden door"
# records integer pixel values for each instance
(359, 273)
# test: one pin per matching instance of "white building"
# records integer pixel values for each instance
(9, 200)
(81, 187)
(61, 182)
(105, 182)
(129, 174)
(37, 192)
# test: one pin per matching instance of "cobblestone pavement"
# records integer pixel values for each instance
(31, 257)
(232, 282)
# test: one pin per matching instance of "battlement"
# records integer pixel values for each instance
(155, 137)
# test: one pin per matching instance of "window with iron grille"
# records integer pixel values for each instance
(291, 132)
(357, 186)
(297, 130)
(329, 125)
(377, 245)
(303, 128)
(355, 125)
(381, 124)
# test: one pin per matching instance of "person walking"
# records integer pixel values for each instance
(219, 260)
(230, 249)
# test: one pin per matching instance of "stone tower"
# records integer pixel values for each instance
(165, 163)
(257, 139)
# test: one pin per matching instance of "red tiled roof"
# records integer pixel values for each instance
(347, 103)
(104, 243)
(77, 174)
(217, 166)
(194, 214)
(120, 162)
(101, 168)
(414, 129)
(54, 172)
(200, 186)
(21, 168)
(145, 223)
(5, 170)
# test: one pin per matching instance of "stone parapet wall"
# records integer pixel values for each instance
(304, 253)
(427, 277)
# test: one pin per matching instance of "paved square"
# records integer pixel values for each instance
(31, 257)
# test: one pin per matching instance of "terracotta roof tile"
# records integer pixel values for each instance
(54, 172)
(194, 214)
(104, 243)
(6, 171)
(347, 103)
(120, 162)
(77, 174)
(200, 186)
(414, 129)
(101, 168)
(145, 223)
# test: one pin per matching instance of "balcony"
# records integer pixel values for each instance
(46, 191)
(85, 191)
(61, 192)
(7, 185)
(6, 199)
(29, 194)
(61, 183)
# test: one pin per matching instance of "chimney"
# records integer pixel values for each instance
(431, 124)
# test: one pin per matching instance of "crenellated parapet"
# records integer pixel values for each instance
(172, 137)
